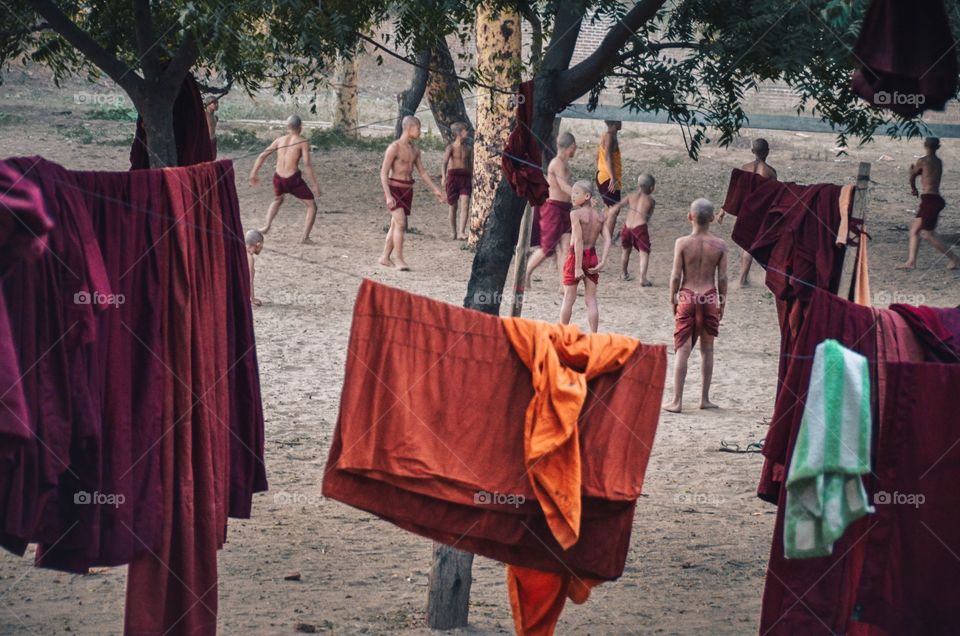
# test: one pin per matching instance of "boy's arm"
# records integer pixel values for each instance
(260, 159)
(446, 160)
(722, 280)
(253, 273)
(576, 238)
(308, 168)
(915, 170)
(676, 273)
(388, 158)
(418, 162)
(607, 143)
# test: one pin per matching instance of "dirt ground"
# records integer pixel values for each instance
(700, 538)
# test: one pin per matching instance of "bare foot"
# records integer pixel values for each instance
(264, 230)
(646, 283)
(454, 238)
(907, 265)
(673, 407)
(953, 265)
(744, 282)
(527, 285)
(707, 404)
(401, 266)
(385, 261)
(256, 302)
(462, 237)
(306, 241)
(625, 276)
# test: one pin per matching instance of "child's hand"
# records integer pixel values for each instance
(440, 197)
(391, 203)
(256, 302)
(254, 180)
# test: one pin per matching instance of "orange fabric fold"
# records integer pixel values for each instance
(561, 360)
(537, 598)
(861, 294)
(846, 206)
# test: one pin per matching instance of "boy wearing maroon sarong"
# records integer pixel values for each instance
(930, 170)
(698, 293)
(555, 213)
(582, 263)
(635, 234)
(458, 179)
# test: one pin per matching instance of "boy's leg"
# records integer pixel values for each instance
(679, 376)
(593, 310)
(464, 214)
(913, 246)
(644, 262)
(311, 217)
(931, 237)
(625, 263)
(706, 363)
(566, 308)
(562, 248)
(399, 233)
(272, 213)
(745, 261)
(452, 217)
(533, 263)
(388, 245)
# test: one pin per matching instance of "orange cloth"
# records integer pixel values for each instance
(561, 361)
(846, 206)
(605, 172)
(861, 294)
(537, 598)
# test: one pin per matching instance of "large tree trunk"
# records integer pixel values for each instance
(498, 51)
(158, 124)
(346, 118)
(443, 93)
(409, 100)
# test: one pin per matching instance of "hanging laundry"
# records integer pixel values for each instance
(191, 133)
(938, 329)
(521, 157)
(825, 493)
(907, 57)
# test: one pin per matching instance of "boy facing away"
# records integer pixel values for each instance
(698, 293)
(457, 179)
(586, 226)
(254, 242)
(635, 234)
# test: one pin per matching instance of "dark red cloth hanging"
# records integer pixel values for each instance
(521, 158)
(907, 57)
(190, 131)
(938, 329)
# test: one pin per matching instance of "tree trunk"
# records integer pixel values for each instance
(346, 118)
(443, 93)
(409, 100)
(158, 124)
(498, 54)
(448, 604)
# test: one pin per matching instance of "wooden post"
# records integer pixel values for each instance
(520, 259)
(448, 604)
(859, 211)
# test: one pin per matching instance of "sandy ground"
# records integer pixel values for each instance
(700, 538)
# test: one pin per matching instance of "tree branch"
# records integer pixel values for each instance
(581, 78)
(146, 39)
(536, 35)
(563, 39)
(83, 42)
(183, 60)
(656, 46)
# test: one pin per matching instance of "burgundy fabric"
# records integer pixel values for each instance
(637, 237)
(590, 259)
(609, 196)
(554, 223)
(908, 584)
(697, 313)
(403, 452)
(938, 329)
(535, 230)
(931, 205)
(294, 184)
(907, 55)
(402, 192)
(190, 131)
(459, 183)
(521, 158)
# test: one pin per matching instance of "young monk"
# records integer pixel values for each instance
(698, 293)
(458, 179)
(609, 168)
(254, 241)
(555, 213)
(211, 106)
(291, 149)
(930, 169)
(586, 224)
(760, 149)
(401, 157)
(635, 233)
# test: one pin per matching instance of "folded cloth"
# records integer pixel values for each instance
(402, 192)
(521, 157)
(463, 480)
(459, 183)
(825, 493)
(637, 237)
(907, 55)
(696, 313)
(937, 328)
(537, 598)
(294, 184)
(554, 223)
(931, 205)
(590, 259)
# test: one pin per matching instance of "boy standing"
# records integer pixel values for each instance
(635, 233)
(254, 241)
(555, 213)
(760, 149)
(698, 293)
(458, 179)
(401, 157)
(291, 149)
(211, 106)
(586, 224)
(609, 166)
(930, 170)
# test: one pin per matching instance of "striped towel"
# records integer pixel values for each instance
(824, 491)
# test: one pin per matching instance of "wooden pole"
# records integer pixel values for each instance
(520, 258)
(448, 603)
(859, 211)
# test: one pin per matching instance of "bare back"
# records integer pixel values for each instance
(459, 157)
(405, 156)
(556, 170)
(760, 167)
(701, 256)
(640, 209)
(290, 150)
(591, 224)
(930, 170)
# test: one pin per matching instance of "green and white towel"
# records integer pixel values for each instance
(825, 493)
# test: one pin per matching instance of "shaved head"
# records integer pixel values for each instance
(932, 142)
(409, 121)
(702, 211)
(646, 182)
(565, 140)
(760, 148)
(253, 237)
(294, 122)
